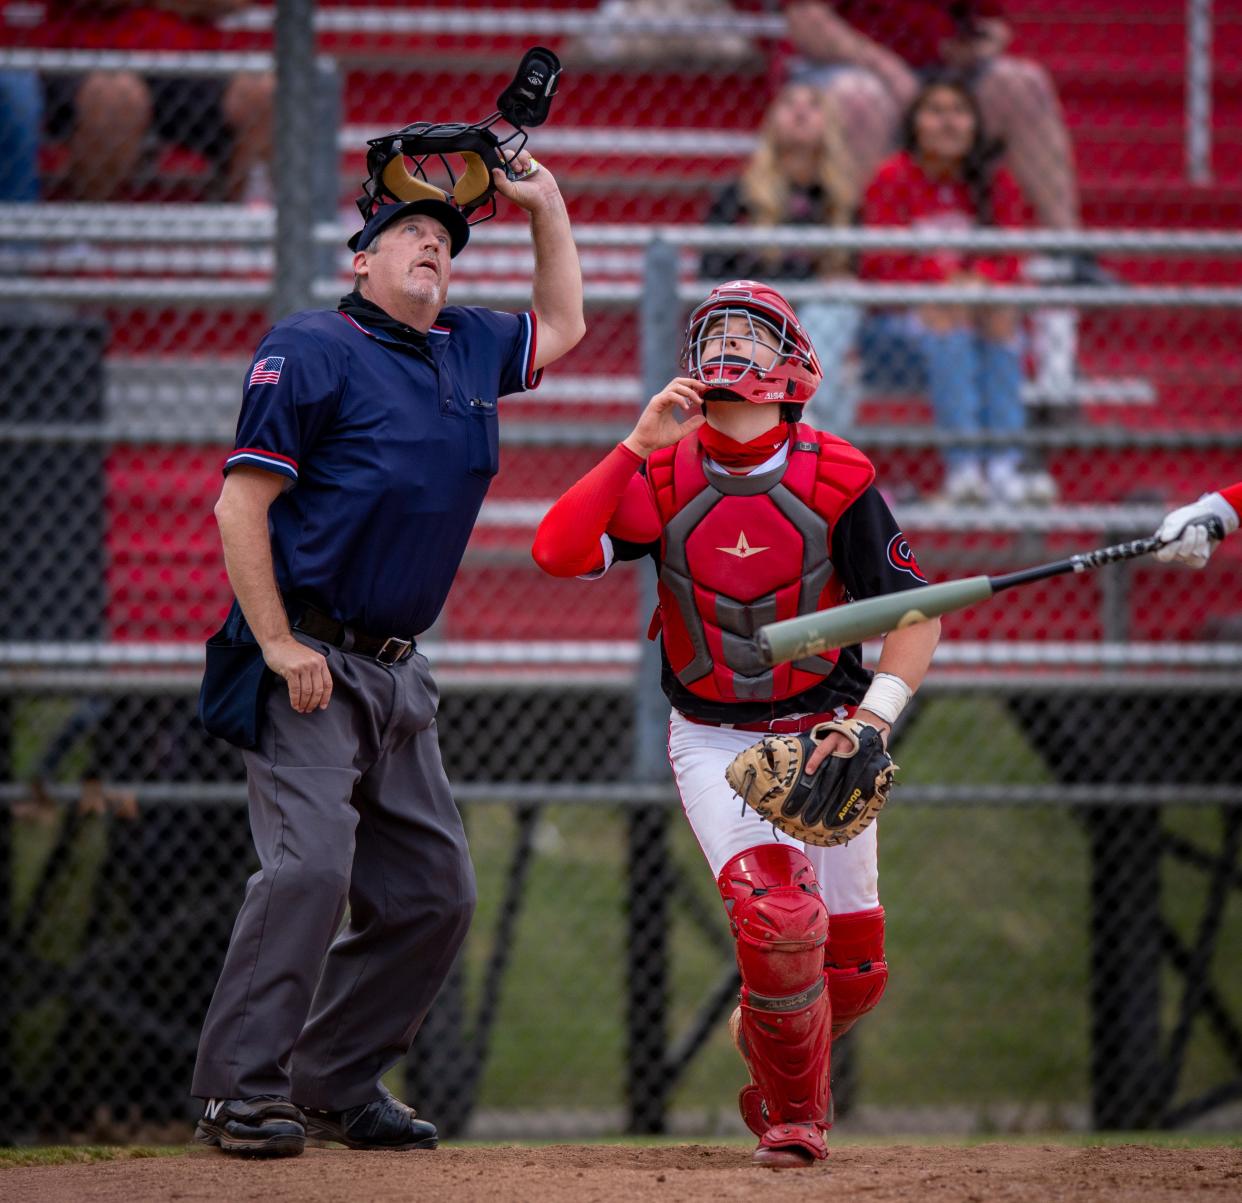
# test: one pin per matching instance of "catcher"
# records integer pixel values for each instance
(752, 516)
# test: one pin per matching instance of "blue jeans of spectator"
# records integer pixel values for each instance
(21, 116)
(974, 383)
(832, 327)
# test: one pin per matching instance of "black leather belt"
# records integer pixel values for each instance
(386, 649)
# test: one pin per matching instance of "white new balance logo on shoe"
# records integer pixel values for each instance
(213, 1108)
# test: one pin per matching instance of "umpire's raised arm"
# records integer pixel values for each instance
(557, 284)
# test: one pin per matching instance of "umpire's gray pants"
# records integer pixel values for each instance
(346, 804)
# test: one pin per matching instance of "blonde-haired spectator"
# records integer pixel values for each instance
(800, 173)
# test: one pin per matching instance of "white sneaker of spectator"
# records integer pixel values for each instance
(1054, 336)
(964, 484)
(1041, 487)
(1056, 353)
(1006, 484)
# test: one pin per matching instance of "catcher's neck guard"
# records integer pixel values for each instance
(397, 163)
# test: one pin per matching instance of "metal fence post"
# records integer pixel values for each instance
(1124, 849)
(294, 157)
(326, 170)
(1199, 91)
(8, 929)
(649, 876)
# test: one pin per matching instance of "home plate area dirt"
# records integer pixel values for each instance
(608, 1173)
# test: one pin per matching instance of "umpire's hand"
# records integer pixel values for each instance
(304, 670)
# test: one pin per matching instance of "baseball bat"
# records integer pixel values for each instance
(811, 634)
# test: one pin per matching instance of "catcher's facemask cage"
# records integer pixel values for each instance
(397, 163)
(750, 307)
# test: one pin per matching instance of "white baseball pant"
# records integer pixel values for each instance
(724, 825)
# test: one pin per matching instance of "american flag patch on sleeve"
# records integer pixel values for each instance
(267, 371)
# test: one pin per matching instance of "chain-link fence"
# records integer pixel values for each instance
(1061, 859)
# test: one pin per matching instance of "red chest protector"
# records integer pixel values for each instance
(742, 551)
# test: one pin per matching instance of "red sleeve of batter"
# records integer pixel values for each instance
(567, 542)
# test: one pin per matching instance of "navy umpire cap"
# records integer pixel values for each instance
(449, 217)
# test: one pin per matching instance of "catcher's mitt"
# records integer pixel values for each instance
(834, 805)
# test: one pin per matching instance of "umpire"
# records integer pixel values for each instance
(367, 440)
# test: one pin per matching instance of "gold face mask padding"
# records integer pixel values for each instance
(474, 180)
(404, 186)
(473, 183)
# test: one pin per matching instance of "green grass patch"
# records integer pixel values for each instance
(987, 944)
(83, 1154)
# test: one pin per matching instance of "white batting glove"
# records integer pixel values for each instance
(1186, 537)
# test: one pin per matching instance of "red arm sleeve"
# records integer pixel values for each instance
(1009, 214)
(1233, 495)
(887, 203)
(567, 541)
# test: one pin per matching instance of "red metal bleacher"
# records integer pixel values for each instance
(1120, 76)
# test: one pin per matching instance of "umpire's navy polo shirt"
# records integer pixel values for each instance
(388, 449)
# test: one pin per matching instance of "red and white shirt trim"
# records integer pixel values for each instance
(273, 461)
(531, 376)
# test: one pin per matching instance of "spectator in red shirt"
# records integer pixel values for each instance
(106, 115)
(799, 174)
(870, 56)
(967, 358)
(875, 52)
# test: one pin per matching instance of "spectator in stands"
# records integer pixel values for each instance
(875, 51)
(870, 56)
(946, 178)
(21, 107)
(645, 44)
(799, 174)
(106, 116)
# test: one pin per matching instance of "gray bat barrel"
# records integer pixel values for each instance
(811, 634)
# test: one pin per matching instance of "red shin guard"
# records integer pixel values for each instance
(855, 966)
(781, 926)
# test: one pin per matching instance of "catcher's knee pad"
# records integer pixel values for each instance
(854, 965)
(781, 926)
(777, 917)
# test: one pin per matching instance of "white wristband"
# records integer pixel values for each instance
(887, 697)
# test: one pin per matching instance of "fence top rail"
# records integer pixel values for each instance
(853, 238)
(633, 793)
(1049, 655)
(217, 430)
(149, 224)
(1088, 521)
(197, 290)
(170, 62)
(522, 20)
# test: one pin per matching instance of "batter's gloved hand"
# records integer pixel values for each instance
(1187, 539)
(838, 802)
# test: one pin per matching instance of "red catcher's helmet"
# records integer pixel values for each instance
(793, 377)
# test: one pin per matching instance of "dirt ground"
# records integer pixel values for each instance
(611, 1173)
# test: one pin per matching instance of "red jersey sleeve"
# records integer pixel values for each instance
(1008, 213)
(613, 493)
(889, 201)
(1233, 495)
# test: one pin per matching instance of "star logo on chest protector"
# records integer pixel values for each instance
(743, 550)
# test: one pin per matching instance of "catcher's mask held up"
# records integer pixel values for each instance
(730, 340)
(461, 155)
(838, 803)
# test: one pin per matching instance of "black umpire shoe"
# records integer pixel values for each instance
(264, 1126)
(386, 1123)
